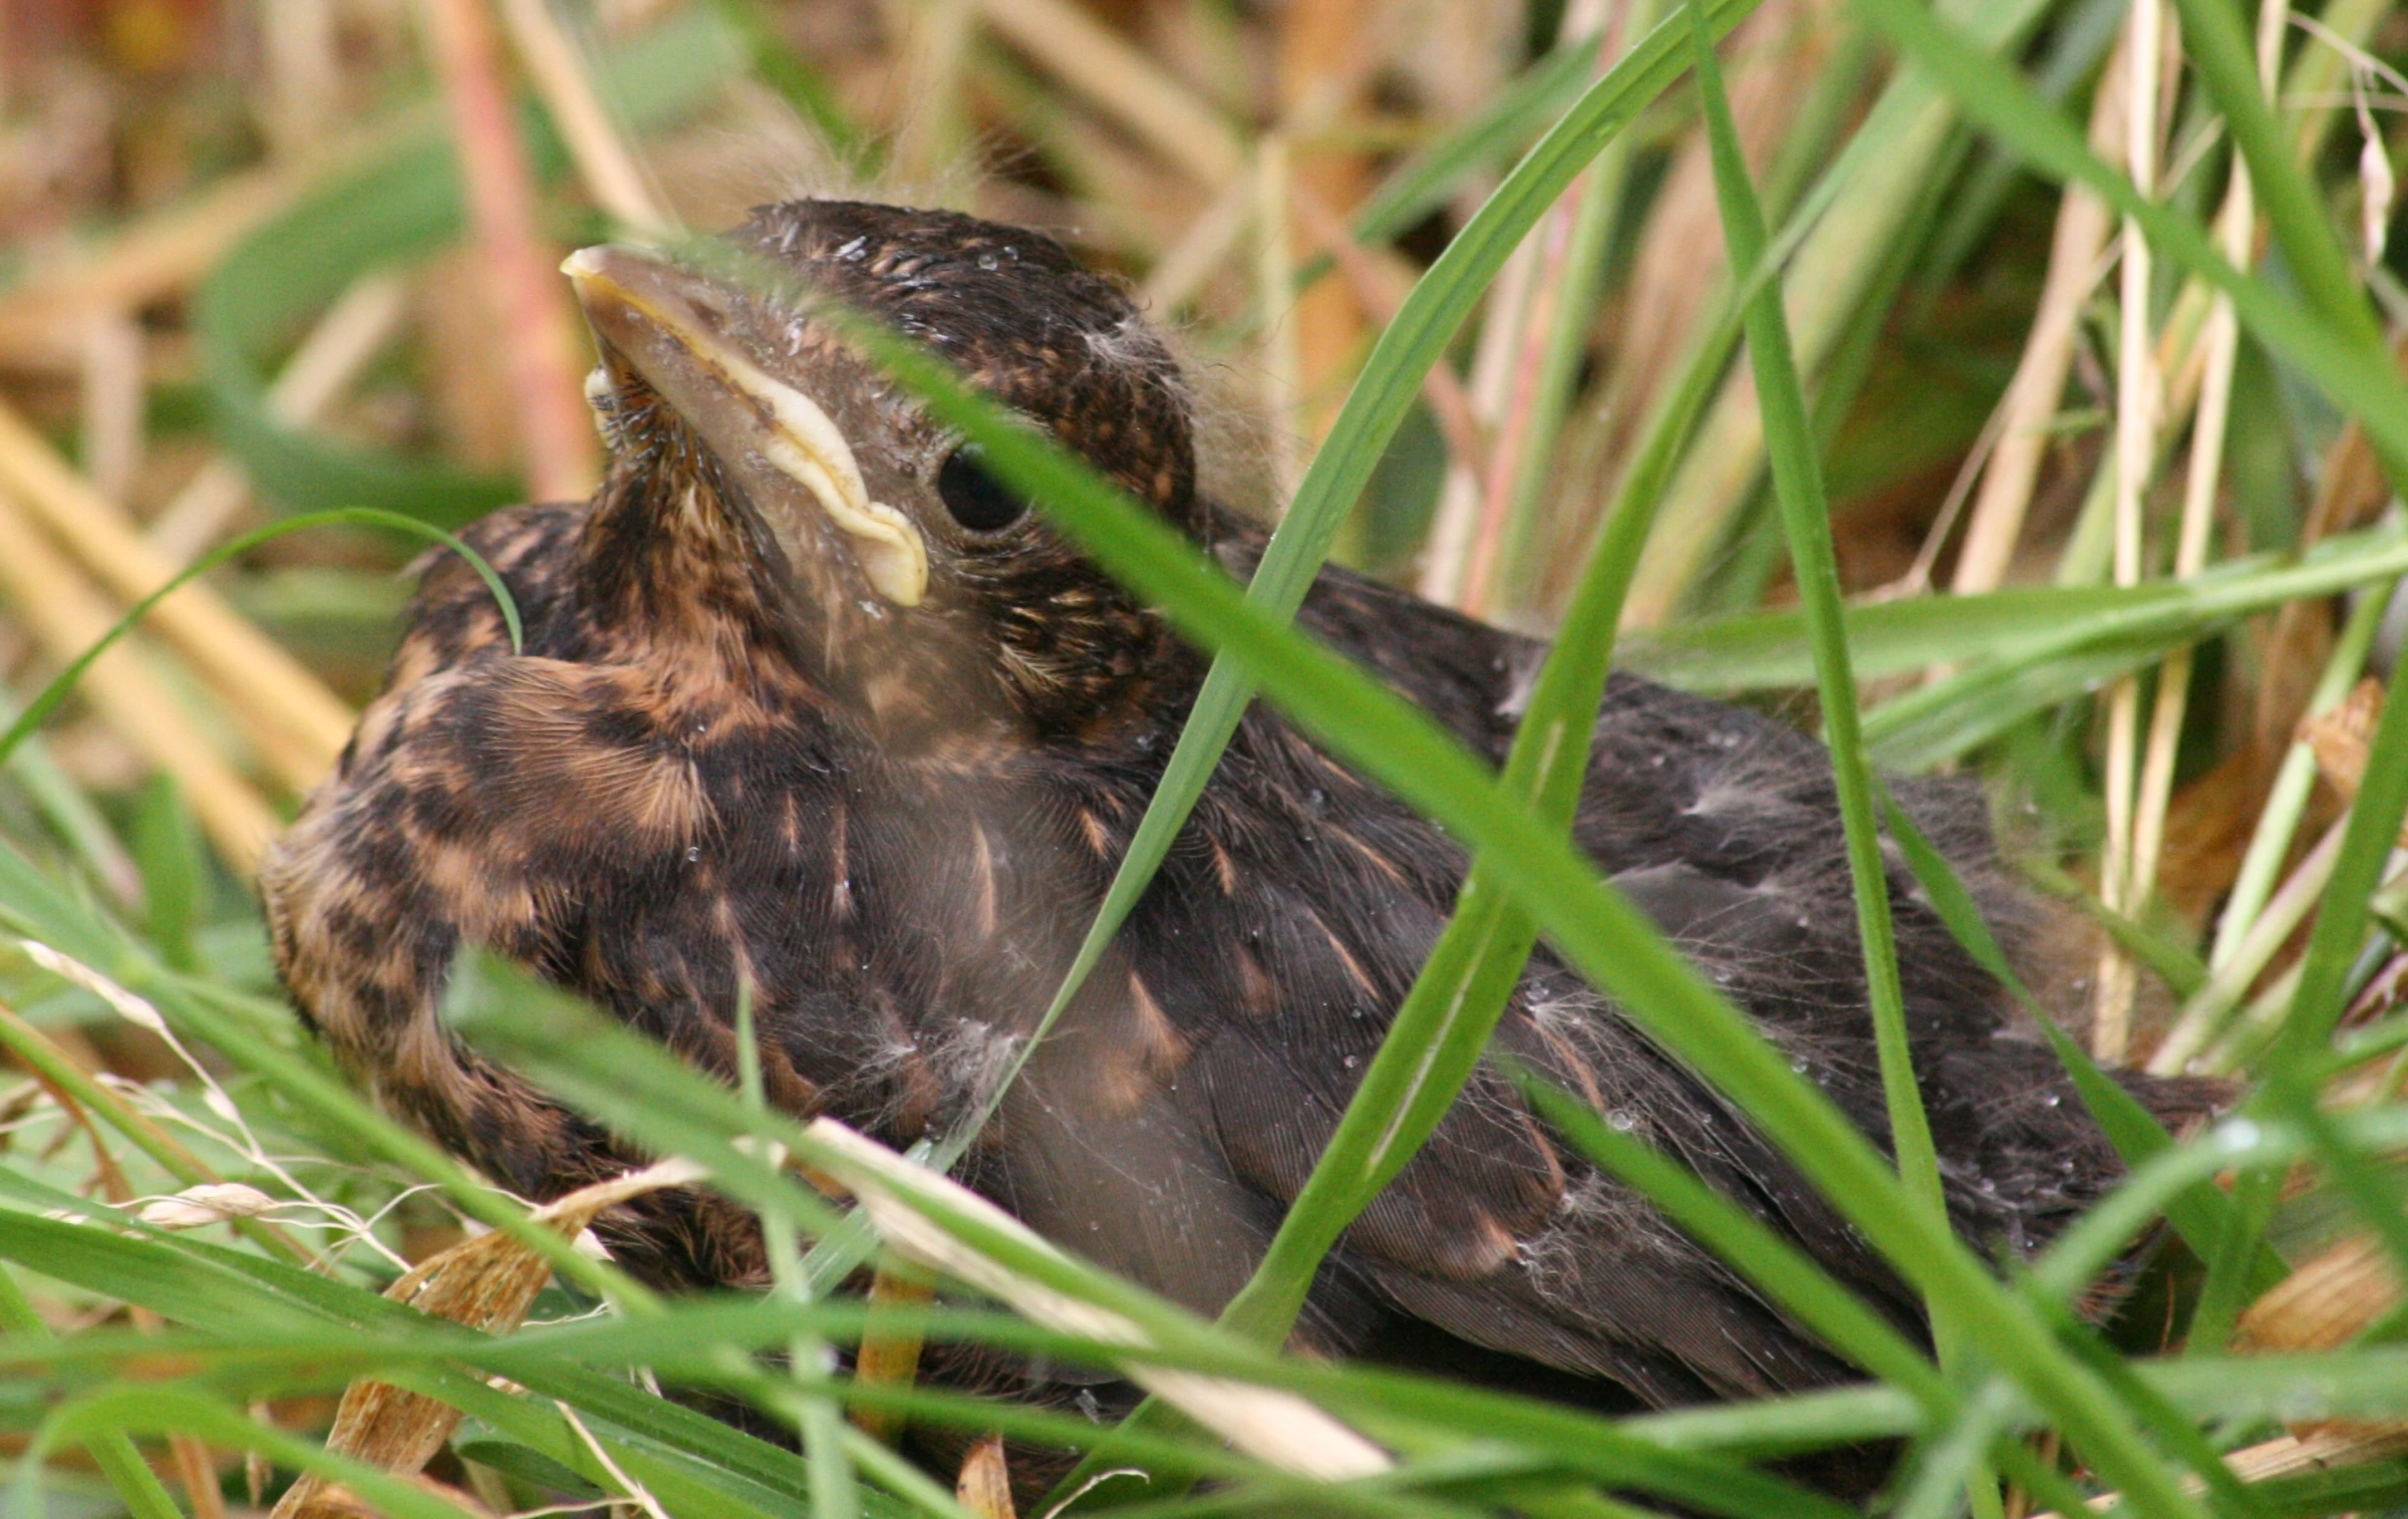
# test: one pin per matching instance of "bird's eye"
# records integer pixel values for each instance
(977, 499)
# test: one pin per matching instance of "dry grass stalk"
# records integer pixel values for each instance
(68, 616)
(2324, 1304)
(1466, 539)
(985, 1485)
(935, 131)
(1128, 86)
(1191, 257)
(1495, 481)
(1275, 1427)
(2211, 361)
(2139, 403)
(197, 1473)
(297, 724)
(2333, 1448)
(545, 350)
(354, 330)
(303, 57)
(889, 1356)
(1679, 257)
(2031, 406)
(609, 172)
(115, 399)
(2327, 1447)
(1447, 561)
(486, 1284)
(1274, 277)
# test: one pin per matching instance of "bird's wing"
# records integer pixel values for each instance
(1288, 936)
(1277, 944)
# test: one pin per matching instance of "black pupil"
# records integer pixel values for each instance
(977, 499)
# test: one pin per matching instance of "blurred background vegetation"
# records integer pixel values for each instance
(260, 258)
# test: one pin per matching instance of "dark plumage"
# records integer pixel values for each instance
(883, 759)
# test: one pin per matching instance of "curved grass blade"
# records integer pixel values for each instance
(1764, 651)
(1445, 1019)
(1794, 457)
(1806, 517)
(39, 710)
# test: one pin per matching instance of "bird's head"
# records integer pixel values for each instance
(760, 458)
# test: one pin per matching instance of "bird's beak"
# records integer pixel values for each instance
(646, 310)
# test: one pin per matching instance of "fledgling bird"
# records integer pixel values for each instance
(809, 699)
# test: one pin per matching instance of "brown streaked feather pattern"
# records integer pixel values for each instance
(708, 765)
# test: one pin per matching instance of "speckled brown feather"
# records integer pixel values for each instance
(897, 822)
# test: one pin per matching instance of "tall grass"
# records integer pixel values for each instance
(199, 1215)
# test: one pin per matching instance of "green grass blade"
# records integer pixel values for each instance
(1445, 1020)
(1795, 454)
(237, 1294)
(1766, 651)
(168, 850)
(2230, 1284)
(1806, 515)
(167, 1411)
(70, 813)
